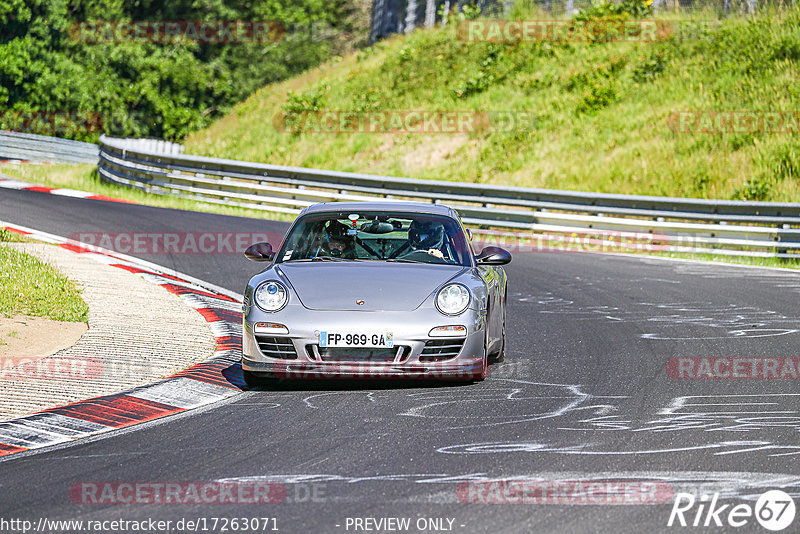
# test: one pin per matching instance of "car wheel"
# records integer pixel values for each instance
(484, 370)
(255, 380)
(500, 355)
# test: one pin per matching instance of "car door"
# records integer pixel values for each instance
(494, 278)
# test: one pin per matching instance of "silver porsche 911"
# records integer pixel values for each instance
(374, 290)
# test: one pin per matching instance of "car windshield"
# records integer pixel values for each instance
(377, 236)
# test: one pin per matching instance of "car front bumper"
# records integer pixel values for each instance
(415, 353)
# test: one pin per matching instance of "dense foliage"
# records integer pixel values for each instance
(54, 81)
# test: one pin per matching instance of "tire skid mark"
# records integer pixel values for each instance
(730, 321)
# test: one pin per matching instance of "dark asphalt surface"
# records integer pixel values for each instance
(583, 394)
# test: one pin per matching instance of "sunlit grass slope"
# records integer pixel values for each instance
(597, 116)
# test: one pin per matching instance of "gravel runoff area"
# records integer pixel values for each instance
(138, 332)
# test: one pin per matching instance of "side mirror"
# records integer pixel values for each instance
(259, 252)
(493, 256)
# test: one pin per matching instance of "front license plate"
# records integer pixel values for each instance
(382, 340)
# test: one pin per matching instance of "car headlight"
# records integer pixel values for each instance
(452, 299)
(271, 296)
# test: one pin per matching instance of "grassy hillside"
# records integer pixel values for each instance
(598, 114)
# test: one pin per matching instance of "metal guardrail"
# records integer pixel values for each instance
(674, 224)
(45, 149)
(157, 146)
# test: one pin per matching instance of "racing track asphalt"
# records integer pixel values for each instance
(583, 393)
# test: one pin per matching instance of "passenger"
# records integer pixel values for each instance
(337, 243)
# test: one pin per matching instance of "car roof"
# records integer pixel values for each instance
(384, 205)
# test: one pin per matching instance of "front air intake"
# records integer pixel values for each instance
(437, 350)
(276, 347)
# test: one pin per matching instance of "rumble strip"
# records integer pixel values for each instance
(10, 183)
(217, 378)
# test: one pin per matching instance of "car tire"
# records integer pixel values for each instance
(500, 355)
(484, 370)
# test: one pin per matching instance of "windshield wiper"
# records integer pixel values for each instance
(404, 260)
(320, 258)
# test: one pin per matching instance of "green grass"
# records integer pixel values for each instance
(31, 287)
(598, 114)
(783, 263)
(85, 178)
(7, 236)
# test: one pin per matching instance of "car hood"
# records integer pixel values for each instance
(382, 286)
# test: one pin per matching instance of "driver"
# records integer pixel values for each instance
(337, 242)
(426, 236)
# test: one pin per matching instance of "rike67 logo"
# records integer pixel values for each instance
(774, 510)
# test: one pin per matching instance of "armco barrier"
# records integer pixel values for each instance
(45, 149)
(674, 224)
(677, 224)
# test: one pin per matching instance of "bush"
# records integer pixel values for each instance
(495, 65)
(600, 95)
(608, 10)
(757, 188)
(152, 89)
(650, 68)
(312, 100)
